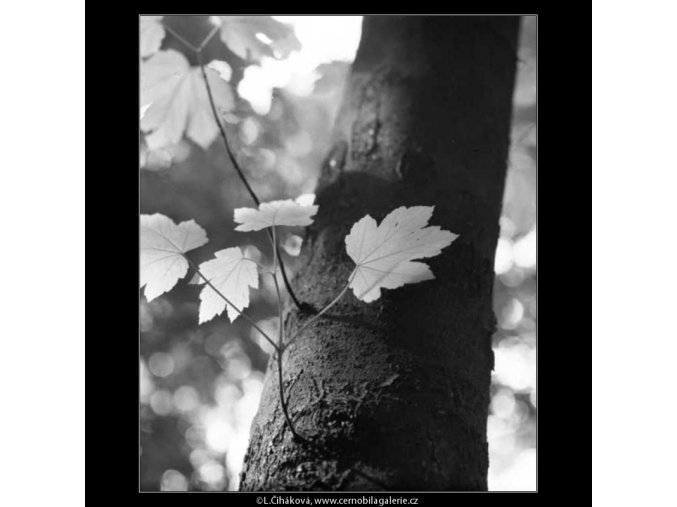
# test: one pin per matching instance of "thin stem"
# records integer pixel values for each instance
(244, 316)
(287, 283)
(222, 131)
(208, 38)
(231, 155)
(279, 347)
(280, 337)
(196, 49)
(320, 313)
(277, 290)
(283, 403)
(180, 38)
(240, 173)
(274, 244)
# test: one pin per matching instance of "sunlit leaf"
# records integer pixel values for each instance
(163, 244)
(383, 253)
(232, 275)
(151, 33)
(272, 213)
(178, 100)
(253, 37)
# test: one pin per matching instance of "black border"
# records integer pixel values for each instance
(112, 236)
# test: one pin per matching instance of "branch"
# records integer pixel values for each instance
(279, 347)
(231, 155)
(240, 173)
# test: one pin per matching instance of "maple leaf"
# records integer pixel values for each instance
(151, 33)
(163, 244)
(272, 213)
(253, 37)
(178, 100)
(383, 253)
(231, 274)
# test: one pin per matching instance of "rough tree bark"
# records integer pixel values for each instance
(394, 394)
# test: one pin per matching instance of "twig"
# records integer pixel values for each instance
(208, 38)
(229, 150)
(198, 51)
(283, 402)
(320, 313)
(280, 337)
(279, 347)
(287, 283)
(180, 38)
(240, 173)
(244, 316)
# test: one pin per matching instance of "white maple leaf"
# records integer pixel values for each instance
(151, 33)
(272, 213)
(383, 253)
(231, 274)
(163, 244)
(253, 37)
(178, 100)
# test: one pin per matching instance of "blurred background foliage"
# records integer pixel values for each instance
(200, 385)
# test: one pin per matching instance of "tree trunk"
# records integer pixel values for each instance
(394, 394)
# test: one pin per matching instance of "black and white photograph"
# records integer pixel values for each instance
(338, 258)
(338, 253)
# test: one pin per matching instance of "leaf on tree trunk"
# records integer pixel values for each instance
(383, 253)
(163, 244)
(272, 213)
(178, 100)
(231, 274)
